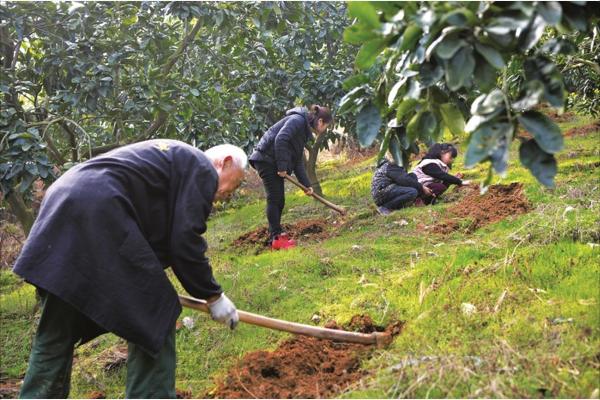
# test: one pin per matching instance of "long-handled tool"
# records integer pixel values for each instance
(316, 196)
(377, 338)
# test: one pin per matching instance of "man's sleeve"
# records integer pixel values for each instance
(283, 144)
(191, 210)
(436, 172)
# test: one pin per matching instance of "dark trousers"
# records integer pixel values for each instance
(437, 188)
(395, 197)
(61, 327)
(274, 189)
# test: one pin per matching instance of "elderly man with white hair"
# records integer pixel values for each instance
(106, 231)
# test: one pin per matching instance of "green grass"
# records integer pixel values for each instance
(541, 340)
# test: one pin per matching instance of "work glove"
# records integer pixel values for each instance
(223, 310)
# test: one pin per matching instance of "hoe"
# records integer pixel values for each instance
(379, 339)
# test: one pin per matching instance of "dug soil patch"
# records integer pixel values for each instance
(471, 210)
(313, 230)
(584, 130)
(302, 367)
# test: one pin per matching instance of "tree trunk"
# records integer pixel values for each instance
(19, 209)
(311, 164)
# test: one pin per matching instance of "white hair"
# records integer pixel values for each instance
(223, 150)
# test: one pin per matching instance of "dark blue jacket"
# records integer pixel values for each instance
(109, 227)
(283, 144)
(387, 174)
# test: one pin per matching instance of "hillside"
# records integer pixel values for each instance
(496, 296)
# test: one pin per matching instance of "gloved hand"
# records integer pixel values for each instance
(223, 310)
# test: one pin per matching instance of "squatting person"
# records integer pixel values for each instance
(278, 153)
(392, 188)
(432, 172)
(97, 251)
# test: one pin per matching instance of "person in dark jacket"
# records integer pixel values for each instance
(432, 171)
(392, 188)
(279, 153)
(97, 251)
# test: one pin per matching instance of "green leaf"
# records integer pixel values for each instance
(574, 16)
(133, 19)
(491, 55)
(347, 101)
(396, 150)
(453, 118)
(407, 106)
(354, 81)
(364, 12)
(412, 129)
(195, 92)
(534, 91)
(488, 103)
(448, 47)
(368, 53)
(485, 140)
(545, 132)
(394, 91)
(359, 33)
(430, 73)
(541, 164)
(460, 17)
(485, 75)
(459, 70)
(389, 8)
(551, 11)
(532, 34)
(411, 36)
(427, 126)
(385, 143)
(368, 122)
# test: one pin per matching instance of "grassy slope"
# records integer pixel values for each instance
(541, 259)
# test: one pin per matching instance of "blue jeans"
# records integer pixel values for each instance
(395, 197)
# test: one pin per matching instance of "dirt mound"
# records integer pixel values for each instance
(302, 367)
(584, 130)
(475, 210)
(315, 229)
(556, 117)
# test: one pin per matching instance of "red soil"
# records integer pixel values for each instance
(9, 388)
(315, 229)
(584, 130)
(564, 117)
(500, 202)
(302, 367)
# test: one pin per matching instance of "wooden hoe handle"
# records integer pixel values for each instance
(376, 338)
(316, 196)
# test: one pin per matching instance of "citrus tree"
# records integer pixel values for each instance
(79, 79)
(427, 67)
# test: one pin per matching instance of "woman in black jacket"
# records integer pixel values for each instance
(393, 188)
(279, 153)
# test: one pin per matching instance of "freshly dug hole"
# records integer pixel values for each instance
(302, 367)
(313, 230)
(500, 202)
